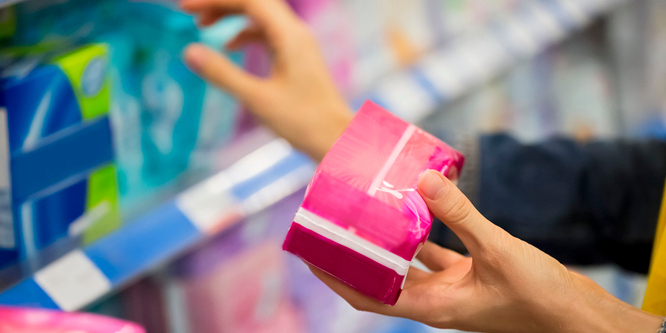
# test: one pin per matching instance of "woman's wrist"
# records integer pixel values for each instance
(329, 131)
(595, 310)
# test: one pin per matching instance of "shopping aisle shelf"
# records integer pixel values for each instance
(83, 276)
(5, 3)
(456, 68)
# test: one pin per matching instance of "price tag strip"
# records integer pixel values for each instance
(84, 275)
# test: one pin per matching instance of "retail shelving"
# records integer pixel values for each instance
(275, 170)
(5, 3)
(449, 72)
(82, 276)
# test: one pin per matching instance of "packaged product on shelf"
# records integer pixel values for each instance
(62, 174)
(7, 22)
(328, 21)
(125, 113)
(24, 320)
(239, 281)
(174, 101)
(362, 219)
(171, 95)
(57, 24)
(219, 110)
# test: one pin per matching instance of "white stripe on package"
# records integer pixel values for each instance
(348, 239)
(379, 178)
(73, 281)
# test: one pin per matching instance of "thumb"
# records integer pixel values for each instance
(446, 202)
(219, 70)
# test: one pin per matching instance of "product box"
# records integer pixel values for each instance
(23, 320)
(239, 282)
(59, 163)
(362, 219)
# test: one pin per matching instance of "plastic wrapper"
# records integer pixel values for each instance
(20, 320)
(362, 220)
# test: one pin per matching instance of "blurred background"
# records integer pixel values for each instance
(131, 188)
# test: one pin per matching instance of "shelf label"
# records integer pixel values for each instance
(210, 206)
(73, 281)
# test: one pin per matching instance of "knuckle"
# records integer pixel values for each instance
(457, 210)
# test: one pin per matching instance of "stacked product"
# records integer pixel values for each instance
(62, 177)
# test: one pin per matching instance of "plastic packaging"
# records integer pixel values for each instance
(240, 282)
(362, 219)
(19, 320)
(62, 173)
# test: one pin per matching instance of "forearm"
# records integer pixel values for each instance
(595, 310)
(325, 131)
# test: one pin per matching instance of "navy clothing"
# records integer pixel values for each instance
(582, 203)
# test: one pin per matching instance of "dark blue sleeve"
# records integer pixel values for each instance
(589, 203)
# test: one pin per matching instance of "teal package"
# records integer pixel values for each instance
(171, 96)
(220, 110)
(180, 112)
(125, 115)
(61, 171)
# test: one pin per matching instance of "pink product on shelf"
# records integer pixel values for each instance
(362, 219)
(329, 23)
(21, 320)
(247, 293)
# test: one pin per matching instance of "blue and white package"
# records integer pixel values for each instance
(61, 171)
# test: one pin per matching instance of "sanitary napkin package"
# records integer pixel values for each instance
(59, 174)
(362, 219)
(23, 320)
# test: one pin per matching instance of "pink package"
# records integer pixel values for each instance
(244, 294)
(22, 320)
(362, 219)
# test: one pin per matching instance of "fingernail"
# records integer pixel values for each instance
(194, 57)
(431, 185)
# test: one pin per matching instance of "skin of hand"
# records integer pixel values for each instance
(506, 285)
(298, 100)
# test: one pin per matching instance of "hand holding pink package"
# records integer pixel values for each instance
(362, 220)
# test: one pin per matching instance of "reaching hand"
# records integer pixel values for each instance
(299, 100)
(506, 286)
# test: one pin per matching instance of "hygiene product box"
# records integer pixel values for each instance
(58, 163)
(239, 282)
(24, 320)
(362, 219)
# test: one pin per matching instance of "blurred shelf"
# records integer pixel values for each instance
(449, 72)
(83, 276)
(5, 3)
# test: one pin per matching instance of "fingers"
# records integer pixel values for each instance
(219, 70)
(353, 297)
(446, 202)
(274, 16)
(415, 276)
(437, 258)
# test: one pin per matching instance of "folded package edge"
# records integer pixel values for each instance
(356, 269)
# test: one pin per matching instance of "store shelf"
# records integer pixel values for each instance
(82, 276)
(449, 72)
(5, 3)
(275, 170)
